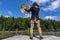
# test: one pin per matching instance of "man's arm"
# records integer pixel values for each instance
(28, 10)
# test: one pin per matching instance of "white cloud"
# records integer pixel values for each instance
(7, 16)
(40, 1)
(27, 16)
(51, 17)
(10, 12)
(54, 5)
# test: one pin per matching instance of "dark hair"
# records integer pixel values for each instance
(34, 4)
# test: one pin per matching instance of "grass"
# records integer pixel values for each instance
(6, 34)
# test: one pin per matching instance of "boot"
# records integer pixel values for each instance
(31, 38)
(40, 37)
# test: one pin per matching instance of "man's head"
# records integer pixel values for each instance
(35, 5)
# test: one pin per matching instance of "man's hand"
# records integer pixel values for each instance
(36, 6)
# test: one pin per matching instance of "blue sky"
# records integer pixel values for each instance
(48, 8)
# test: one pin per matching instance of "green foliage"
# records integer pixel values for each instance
(12, 24)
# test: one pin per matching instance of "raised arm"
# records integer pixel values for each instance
(28, 10)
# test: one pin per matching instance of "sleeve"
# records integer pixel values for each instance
(38, 6)
(28, 10)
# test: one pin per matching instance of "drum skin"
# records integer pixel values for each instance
(23, 7)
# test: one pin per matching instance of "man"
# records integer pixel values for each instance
(35, 20)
